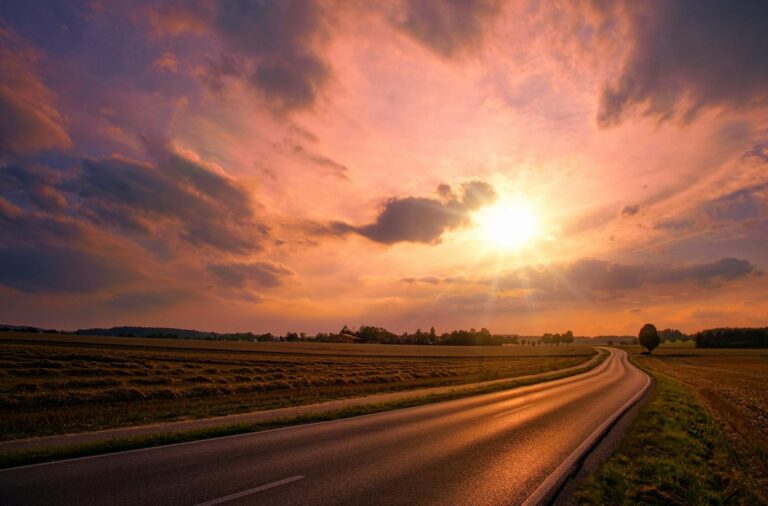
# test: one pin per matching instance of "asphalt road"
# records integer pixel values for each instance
(488, 449)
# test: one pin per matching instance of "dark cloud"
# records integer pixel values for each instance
(758, 151)
(261, 274)
(215, 72)
(589, 281)
(330, 166)
(742, 204)
(419, 219)
(38, 186)
(275, 46)
(674, 224)
(281, 40)
(586, 276)
(44, 268)
(432, 280)
(29, 120)
(205, 208)
(176, 196)
(447, 27)
(724, 269)
(630, 210)
(179, 16)
(687, 55)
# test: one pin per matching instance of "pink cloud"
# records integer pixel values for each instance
(29, 120)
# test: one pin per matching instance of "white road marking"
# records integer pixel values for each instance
(250, 491)
(513, 410)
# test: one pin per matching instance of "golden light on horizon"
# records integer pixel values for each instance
(509, 224)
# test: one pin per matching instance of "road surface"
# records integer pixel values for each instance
(489, 449)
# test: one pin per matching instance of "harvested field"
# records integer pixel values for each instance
(387, 350)
(59, 387)
(674, 453)
(734, 387)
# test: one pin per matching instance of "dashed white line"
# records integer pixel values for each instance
(250, 491)
(513, 410)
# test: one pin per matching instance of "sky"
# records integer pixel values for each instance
(299, 165)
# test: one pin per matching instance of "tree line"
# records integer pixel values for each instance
(732, 337)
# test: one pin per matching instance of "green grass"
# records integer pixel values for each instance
(25, 457)
(675, 453)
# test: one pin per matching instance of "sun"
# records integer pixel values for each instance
(509, 224)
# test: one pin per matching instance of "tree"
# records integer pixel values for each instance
(649, 337)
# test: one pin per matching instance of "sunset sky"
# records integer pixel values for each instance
(283, 166)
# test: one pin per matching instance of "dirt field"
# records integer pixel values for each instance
(733, 385)
(59, 386)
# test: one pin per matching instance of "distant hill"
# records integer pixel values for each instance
(25, 328)
(147, 332)
(120, 332)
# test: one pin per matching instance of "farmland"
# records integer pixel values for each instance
(389, 350)
(60, 384)
(734, 388)
(709, 405)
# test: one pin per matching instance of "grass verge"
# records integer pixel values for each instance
(674, 453)
(26, 457)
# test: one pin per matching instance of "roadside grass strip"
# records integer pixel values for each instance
(674, 453)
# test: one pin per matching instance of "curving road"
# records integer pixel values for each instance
(499, 448)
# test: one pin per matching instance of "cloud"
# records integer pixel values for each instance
(687, 55)
(176, 196)
(674, 224)
(276, 47)
(282, 43)
(38, 186)
(592, 275)
(556, 286)
(630, 210)
(446, 27)
(179, 16)
(758, 151)
(329, 165)
(215, 72)
(29, 120)
(432, 280)
(45, 268)
(742, 204)
(166, 62)
(425, 220)
(260, 274)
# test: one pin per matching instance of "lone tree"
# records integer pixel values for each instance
(649, 337)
